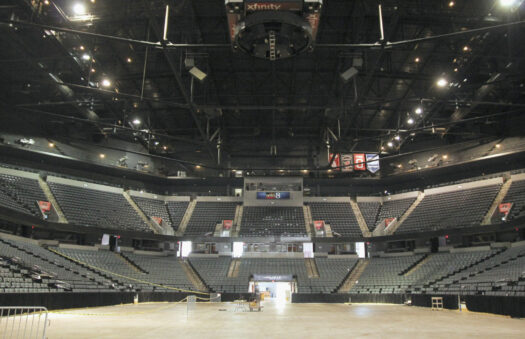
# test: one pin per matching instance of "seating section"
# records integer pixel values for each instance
(176, 210)
(454, 209)
(384, 275)
(89, 207)
(339, 215)
(370, 211)
(393, 209)
(149, 269)
(153, 208)
(516, 195)
(51, 272)
(214, 271)
(20, 194)
(207, 215)
(273, 221)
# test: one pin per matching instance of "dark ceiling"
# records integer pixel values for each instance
(246, 106)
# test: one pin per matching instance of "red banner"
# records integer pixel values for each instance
(227, 224)
(318, 224)
(45, 206)
(158, 220)
(505, 208)
(359, 162)
(336, 164)
(388, 221)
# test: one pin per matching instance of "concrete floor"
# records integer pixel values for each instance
(168, 320)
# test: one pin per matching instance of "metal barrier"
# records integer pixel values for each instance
(23, 322)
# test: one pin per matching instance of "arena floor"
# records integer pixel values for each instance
(168, 320)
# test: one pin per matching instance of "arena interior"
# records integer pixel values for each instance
(265, 169)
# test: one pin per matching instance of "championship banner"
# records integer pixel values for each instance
(359, 162)
(336, 164)
(318, 224)
(372, 162)
(227, 224)
(45, 206)
(347, 163)
(158, 220)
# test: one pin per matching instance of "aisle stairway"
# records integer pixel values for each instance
(153, 226)
(360, 219)
(487, 220)
(311, 268)
(353, 277)
(186, 218)
(193, 277)
(405, 216)
(51, 198)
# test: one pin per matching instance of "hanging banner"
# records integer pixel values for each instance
(372, 162)
(347, 163)
(388, 221)
(158, 220)
(45, 206)
(505, 208)
(336, 164)
(318, 224)
(227, 224)
(359, 162)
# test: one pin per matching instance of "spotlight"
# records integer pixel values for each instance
(136, 121)
(410, 121)
(102, 155)
(106, 83)
(442, 82)
(417, 60)
(165, 148)
(79, 9)
(86, 57)
(390, 144)
(198, 74)
(129, 60)
(451, 4)
(418, 110)
(81, 48)
(466, 49)
(397, 137)
(51, 145)
(349, 74)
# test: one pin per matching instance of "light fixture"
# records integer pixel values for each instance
(418, 110)
(451, 4)
(329, 171)
(198, 74)
(106, 83)
(466, 49)
(81, 48)
(305, 171)
(93, 70)
(410, 121)
(198, 167)
(46, 2)
(349, 74)
(165, 148)
(507, 3)
(136, 121)
(51, 145)
(79, 8)
(445, 157)
(390, 144)
(102, 155)
(498, 146)
(442, 82)
(129, 60)
(397, 137)
(156, 143)
(86, 57)
(417, 60)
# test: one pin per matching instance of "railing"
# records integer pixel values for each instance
(23, 322)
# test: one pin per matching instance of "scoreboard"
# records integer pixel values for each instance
(273, 195)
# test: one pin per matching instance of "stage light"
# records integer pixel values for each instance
(136, 121)
(106, 83)
(410, 121)
(418, 110)
(79, 9)
(86, 57)
(442, 82)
